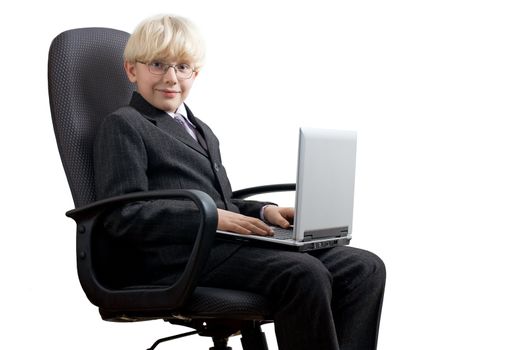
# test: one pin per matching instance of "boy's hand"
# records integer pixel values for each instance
(238, 223)
(279, 216)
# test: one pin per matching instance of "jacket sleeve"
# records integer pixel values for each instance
(120, 166)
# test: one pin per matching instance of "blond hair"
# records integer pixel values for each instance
(166, 37)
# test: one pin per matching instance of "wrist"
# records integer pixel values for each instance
(262, 213)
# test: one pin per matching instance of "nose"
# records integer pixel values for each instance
(171, 76)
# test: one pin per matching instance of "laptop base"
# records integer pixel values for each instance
(283, 244)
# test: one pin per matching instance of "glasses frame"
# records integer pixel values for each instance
(166, 68)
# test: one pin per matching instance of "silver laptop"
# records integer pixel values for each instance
(324, 197)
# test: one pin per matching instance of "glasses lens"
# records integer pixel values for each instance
(184, 71)
(157, 68)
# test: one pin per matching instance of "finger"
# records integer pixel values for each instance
(259, 228)
(289, 218)
(282, 222)
(248, 225)
(288, 213)
(278, 220)
(239, 229)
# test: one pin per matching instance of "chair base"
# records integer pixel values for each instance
(220, 344)
(162, 340)
(252, 337)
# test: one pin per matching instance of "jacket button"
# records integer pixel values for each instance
(216, 166)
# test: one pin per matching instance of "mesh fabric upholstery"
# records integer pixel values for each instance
(86, 82)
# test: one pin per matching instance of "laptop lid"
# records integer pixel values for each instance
(325, 183)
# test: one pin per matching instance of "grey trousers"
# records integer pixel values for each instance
(323, 300)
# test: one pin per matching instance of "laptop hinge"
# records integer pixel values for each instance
(325, 233)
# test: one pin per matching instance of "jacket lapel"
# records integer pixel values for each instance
(203, 131)
(166, 123)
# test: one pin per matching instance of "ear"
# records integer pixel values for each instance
(131, 71)
(195, 74)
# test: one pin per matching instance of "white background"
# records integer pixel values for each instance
(435, 90)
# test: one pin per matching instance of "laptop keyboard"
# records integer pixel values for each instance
(282, 233)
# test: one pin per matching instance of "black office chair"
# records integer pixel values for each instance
(86, 82)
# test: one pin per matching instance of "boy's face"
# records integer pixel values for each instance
(166, 91)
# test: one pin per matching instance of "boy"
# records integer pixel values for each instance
(327, 299)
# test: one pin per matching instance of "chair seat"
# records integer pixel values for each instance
(214, 302)
(205, 302)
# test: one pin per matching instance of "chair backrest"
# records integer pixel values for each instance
(87, 81)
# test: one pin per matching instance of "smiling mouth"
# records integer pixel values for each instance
(170, 91)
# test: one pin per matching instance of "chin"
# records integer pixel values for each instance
(171, 107)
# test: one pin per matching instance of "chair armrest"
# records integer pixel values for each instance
(252, 191)
(166, 298)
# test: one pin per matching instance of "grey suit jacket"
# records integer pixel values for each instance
(140, 148)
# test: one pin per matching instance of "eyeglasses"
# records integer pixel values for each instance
(182, 70)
